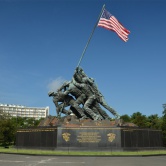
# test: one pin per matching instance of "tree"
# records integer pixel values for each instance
(164, 125)
(3, 115)
(18, 121)
(9, 126)
(7, 132)
(125, 118)
(139, 119)
(7, 129)
(153, 121)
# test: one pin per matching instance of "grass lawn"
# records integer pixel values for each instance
(81, 153)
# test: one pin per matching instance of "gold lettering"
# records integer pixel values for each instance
(89, 137)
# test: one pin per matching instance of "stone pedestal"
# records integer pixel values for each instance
(89, 135)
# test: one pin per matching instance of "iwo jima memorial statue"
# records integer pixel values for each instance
(85, 124)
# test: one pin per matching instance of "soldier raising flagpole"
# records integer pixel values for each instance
(81, 93)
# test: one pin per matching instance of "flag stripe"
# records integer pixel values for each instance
(107, 26)
(118, 25)
(109, 22)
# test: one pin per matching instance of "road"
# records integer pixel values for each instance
(29, 160)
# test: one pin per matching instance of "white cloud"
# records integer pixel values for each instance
(55, 84)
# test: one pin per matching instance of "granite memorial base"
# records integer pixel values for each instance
(100, 136)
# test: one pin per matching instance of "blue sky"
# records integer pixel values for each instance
(41, 42)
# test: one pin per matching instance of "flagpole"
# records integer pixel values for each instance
(91, 35)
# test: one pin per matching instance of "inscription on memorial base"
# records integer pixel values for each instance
(89, 137)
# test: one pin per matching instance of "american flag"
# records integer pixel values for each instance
(108, 21)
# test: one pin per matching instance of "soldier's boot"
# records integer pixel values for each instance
(83, 117)
(117, 116)
(105, 116)
(69, 112)
(97, 117)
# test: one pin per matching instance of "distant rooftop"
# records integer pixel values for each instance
(11, 105)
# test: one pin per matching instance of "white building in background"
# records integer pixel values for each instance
(23, 111)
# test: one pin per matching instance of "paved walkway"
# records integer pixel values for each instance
(28, 160)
